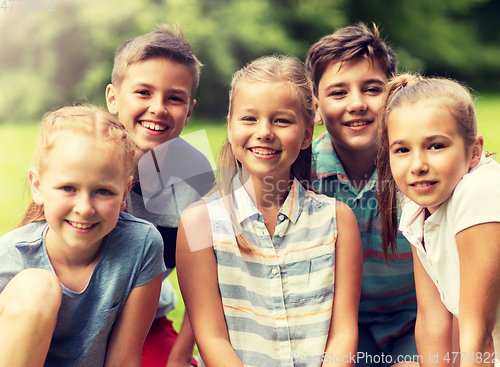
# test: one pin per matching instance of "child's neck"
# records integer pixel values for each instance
(73, 268)
(268, 196)
(359, 165)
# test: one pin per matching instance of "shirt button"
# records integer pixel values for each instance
(274, 271)
(281, 217)
(281, 234)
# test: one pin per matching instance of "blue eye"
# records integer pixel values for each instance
(103, 192)
(283, 121)
(67, 188)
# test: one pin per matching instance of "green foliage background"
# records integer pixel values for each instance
(49, 59)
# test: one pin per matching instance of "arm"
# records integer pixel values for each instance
(479, 253)
(197, 274)
(182, 351)
(132, 326)
(433, 328)
(343, 336)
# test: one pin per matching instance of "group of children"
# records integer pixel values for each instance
(292, 256)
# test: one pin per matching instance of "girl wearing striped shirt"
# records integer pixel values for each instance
(270, 272)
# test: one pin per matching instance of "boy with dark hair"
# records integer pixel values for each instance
(349, 70)
(154, 81)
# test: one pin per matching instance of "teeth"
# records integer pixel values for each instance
(153, 126)
(423, 184)
(358, 123)
(263, 151)
(80, 225)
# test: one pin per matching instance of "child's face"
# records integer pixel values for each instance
(153, 101)
(349, 98)
(266, 129)
(427, 154)
(82, 189)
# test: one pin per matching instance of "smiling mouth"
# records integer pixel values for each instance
(263, 151)
(358, 123)
(424, 184)
(82, 225)
(153, 126)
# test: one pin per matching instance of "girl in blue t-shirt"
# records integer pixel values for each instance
(270, 272)
(79, 280)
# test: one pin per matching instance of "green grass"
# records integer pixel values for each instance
(17, 142)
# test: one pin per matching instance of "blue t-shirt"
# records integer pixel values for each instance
(132, 256)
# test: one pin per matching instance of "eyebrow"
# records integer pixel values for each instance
(428, 139)
(255, 110)
(368, 81)
(150, 86)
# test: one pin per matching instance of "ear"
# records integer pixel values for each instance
(112, 99)
(477, 151)
(190, 111)
(308, 136)
(123, 204)
(34, 180)
(318, 120)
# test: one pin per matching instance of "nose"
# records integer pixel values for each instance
(356, 102)
(265, 130)
(419, 163)
(84, 205)
(157, 106)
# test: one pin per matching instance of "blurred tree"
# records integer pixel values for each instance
(49, 59)
(453, 38)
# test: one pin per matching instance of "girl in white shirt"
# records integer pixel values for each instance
(430, 151)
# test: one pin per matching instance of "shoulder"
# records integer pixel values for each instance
(135, 229)
(345, 215)
(317, 143)
(319, 198)
(480, 184)
(320, 209)
(195, 232)
(21, 247)
(136, 243)
(29, 234)
(197, 211)
(130, 221)
(319, 202)
(476, 198)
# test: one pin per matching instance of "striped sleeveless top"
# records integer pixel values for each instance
(277, 299)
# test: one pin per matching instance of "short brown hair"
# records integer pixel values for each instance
(166, 43)
(346, 44)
